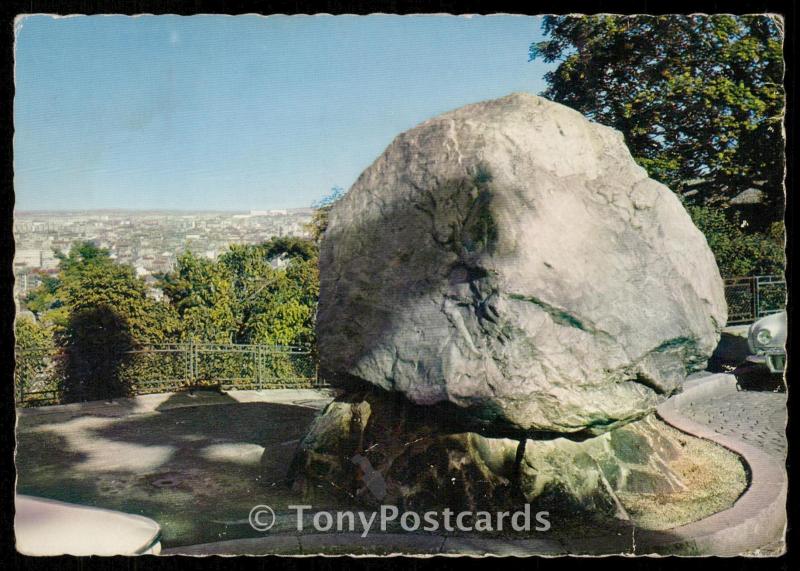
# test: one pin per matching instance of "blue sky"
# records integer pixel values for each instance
(239, 113)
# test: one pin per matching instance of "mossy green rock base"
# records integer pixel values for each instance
(378, 448)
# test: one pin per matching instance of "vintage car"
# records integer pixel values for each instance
(767, 340)
(49, 527)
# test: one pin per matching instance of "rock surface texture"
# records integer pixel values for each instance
(381, 449)
(511, 258)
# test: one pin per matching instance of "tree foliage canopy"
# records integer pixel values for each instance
(96, 313)
(89, 279)
(263, 293)
(33, 343)
(698, 98)
(737, 252)
(201, 292)
(319, 222)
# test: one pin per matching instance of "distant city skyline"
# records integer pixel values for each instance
(40, 211)
(150, 241)
(231, 114)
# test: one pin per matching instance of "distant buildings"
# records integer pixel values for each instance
(149, 241)
(28, 257)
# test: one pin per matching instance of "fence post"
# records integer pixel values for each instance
(195, 367)
(756, 295)
(258, 366)
(190, 363)
(187, 369)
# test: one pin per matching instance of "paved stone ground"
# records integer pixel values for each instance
(756, 417)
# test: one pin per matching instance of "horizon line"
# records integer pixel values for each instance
(139, 210)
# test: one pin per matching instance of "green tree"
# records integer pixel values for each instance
(34, 349)
(698, 98)
(319, 221)
(45, 302)
(203, 294)
(96, 340)
(48, 301)
(81, 255)
(283, 313)
(246, 297)
(99, 311)
(88, 278)
(275, 305)
(290, 247)
(31, 334)
(116, 287)
(737, 252)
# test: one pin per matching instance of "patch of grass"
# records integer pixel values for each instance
(714, 478)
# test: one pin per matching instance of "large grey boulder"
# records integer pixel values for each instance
(510, 257)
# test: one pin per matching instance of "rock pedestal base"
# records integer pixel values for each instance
(379, 449)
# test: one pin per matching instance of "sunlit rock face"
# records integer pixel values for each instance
(511, 258)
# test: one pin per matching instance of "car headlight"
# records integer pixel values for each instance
(763, 337)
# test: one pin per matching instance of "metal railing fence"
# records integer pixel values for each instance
(753, 297)
(164, 367)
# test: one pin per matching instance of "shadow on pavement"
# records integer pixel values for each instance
(757, 377)
(731, 357)
(196, 470)
(731, 350)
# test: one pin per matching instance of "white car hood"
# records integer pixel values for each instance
(49, 527)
